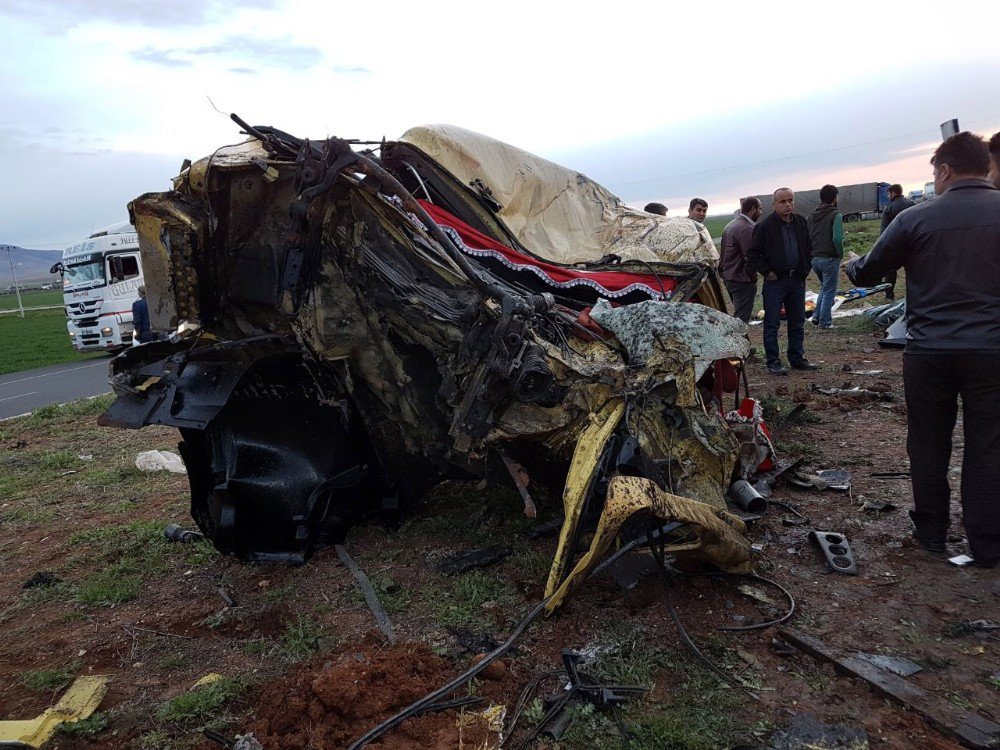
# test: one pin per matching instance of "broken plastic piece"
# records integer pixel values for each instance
(837, 551)
(961, 560)
(77, 703)
(836, 479)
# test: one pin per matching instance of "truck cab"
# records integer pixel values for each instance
(101, 277)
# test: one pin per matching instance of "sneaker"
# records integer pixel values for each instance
(804, 365)
(775, 368)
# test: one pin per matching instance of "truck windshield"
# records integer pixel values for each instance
(89, 272)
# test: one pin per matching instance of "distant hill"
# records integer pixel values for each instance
(34, 265)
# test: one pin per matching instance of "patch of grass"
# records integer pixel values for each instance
(259, 647)
(462, 606)
(50, 680)
(36, 340)
(114, 585)
(56, 460)
(625, 657)
(530, 564)
(201, 705)
(116, 477)
(173, 661)
(156, 740)
(200, 553)
(92, 726)
(139, 546)
(302, 638)
(796, 448)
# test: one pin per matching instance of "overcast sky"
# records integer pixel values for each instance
(103, 99)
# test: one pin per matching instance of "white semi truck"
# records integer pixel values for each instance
(101, 277)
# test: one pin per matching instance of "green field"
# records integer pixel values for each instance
(36, 340)
(32, 299)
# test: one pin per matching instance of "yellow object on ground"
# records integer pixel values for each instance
(78, 702)
(485, 727)
(581, 474)
(207, 680)
(718, 536)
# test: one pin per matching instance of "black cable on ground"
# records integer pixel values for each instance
(760, 625)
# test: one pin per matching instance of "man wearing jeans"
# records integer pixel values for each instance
(950, 248)
(780, 250)
(826, 232)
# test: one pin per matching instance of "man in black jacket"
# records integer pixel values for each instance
(950, 248)
(781, 251)
(897, 204)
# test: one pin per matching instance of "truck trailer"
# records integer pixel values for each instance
(866, 200)
(100, 278)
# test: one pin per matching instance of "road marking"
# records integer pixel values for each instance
(58, 372)
(20, 395)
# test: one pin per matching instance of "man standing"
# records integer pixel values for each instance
(826, 233)
(897, 204)
(697, 209)
(141, 330)
(780, 250)
(741, 281)
(656, 208)
(949, 247)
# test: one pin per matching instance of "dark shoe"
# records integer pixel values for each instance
(804, 365)
(775, 368)
(934, 546)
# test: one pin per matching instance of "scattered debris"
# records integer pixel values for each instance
(961, 560)
(41, 580)
(836, 479)
(878, 506)
(837, 551)
(226, 597)
(745, 496)
(890, 475)
(381, 618)
(973, 730)
(79, 701)
(781, 648)
(175, 533)
(794, 415)
(521, 479)
(765, 483)
(856, 392)
(895, 664)
(806, 731)
(967, 627)
(477, 558)
(159, 461)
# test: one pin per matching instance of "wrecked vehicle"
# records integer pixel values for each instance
(352, 325)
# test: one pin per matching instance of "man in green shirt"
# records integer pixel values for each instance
(826, 231)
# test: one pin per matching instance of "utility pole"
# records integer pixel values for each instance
(17, 289)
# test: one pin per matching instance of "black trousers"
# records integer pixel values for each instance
(743, 294)
(933, 383)
(890, 277)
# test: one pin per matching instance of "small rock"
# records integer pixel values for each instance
(264, 583)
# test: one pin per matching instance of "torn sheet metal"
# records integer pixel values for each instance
(79, 701)
(349, 327)
(709, 334)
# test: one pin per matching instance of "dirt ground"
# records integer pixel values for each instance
(303, 665)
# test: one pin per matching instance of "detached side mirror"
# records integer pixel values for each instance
(57, 268)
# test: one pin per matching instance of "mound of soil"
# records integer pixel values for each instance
(329, 706)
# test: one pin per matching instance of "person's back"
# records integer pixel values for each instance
(952, 267)
(141, 330)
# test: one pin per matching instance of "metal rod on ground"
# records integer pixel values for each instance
(381, 618)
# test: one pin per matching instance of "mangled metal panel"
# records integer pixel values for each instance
(356, 326)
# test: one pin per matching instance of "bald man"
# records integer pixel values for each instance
(781, 251)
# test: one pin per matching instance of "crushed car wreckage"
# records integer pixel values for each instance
(352, 325)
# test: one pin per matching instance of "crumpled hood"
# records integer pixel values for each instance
(822, 210)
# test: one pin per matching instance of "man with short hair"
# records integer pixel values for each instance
(949, 247)
(780, 249)
(141, 330)
(697, 209)
(656, 208)
(826, 233)
(741, 281)
(897, 204)
(995, 159)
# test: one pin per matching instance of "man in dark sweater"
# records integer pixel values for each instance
(780, 250)
(741, 281)
(897, 204)
(950, 248)
(826, 232)
(141, 330)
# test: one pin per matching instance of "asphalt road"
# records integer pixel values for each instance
(20, 392)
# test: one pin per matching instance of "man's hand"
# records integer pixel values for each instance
(772, 276)
(851, 257)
